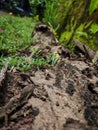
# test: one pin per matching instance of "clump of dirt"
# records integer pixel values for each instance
(61, 97)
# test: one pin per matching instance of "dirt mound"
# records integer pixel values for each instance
(61, 97)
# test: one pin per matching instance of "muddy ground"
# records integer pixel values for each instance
(61, 97)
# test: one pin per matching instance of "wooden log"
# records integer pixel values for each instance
(16, 102)
(89, 53)
(3, 74)
(95, 59)
(3, 83)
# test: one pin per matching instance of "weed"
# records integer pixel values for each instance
(53, 59)
(51, 13)
(22, 62)
(36, 52)
(93, 6)
(86, 33)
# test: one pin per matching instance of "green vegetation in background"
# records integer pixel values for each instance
(38, 7)
(86, 33)
(51, 13)
(48, 10)
(93, 6)
(16, 34)
(66, 18)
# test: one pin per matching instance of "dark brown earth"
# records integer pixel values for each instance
(61, 97)
(4, 13)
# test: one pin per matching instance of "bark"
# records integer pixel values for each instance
(86, 50)
(3, 83)
(16, 102)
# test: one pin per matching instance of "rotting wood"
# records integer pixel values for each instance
(3, 83)
(15, 102)
(95, 59)
(3, 74)
(86, 50)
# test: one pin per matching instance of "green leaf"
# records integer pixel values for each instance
(93, 6)
(94, 28)
(80, 33)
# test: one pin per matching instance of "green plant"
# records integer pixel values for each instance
(16, 33)
(93, 6)
(94, 28)
(53, 59)
(86, 33)
(22, 62)
(39, 62)
(36, 52)
(51, 13)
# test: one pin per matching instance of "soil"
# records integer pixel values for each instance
(3, 13)
(61, 97)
